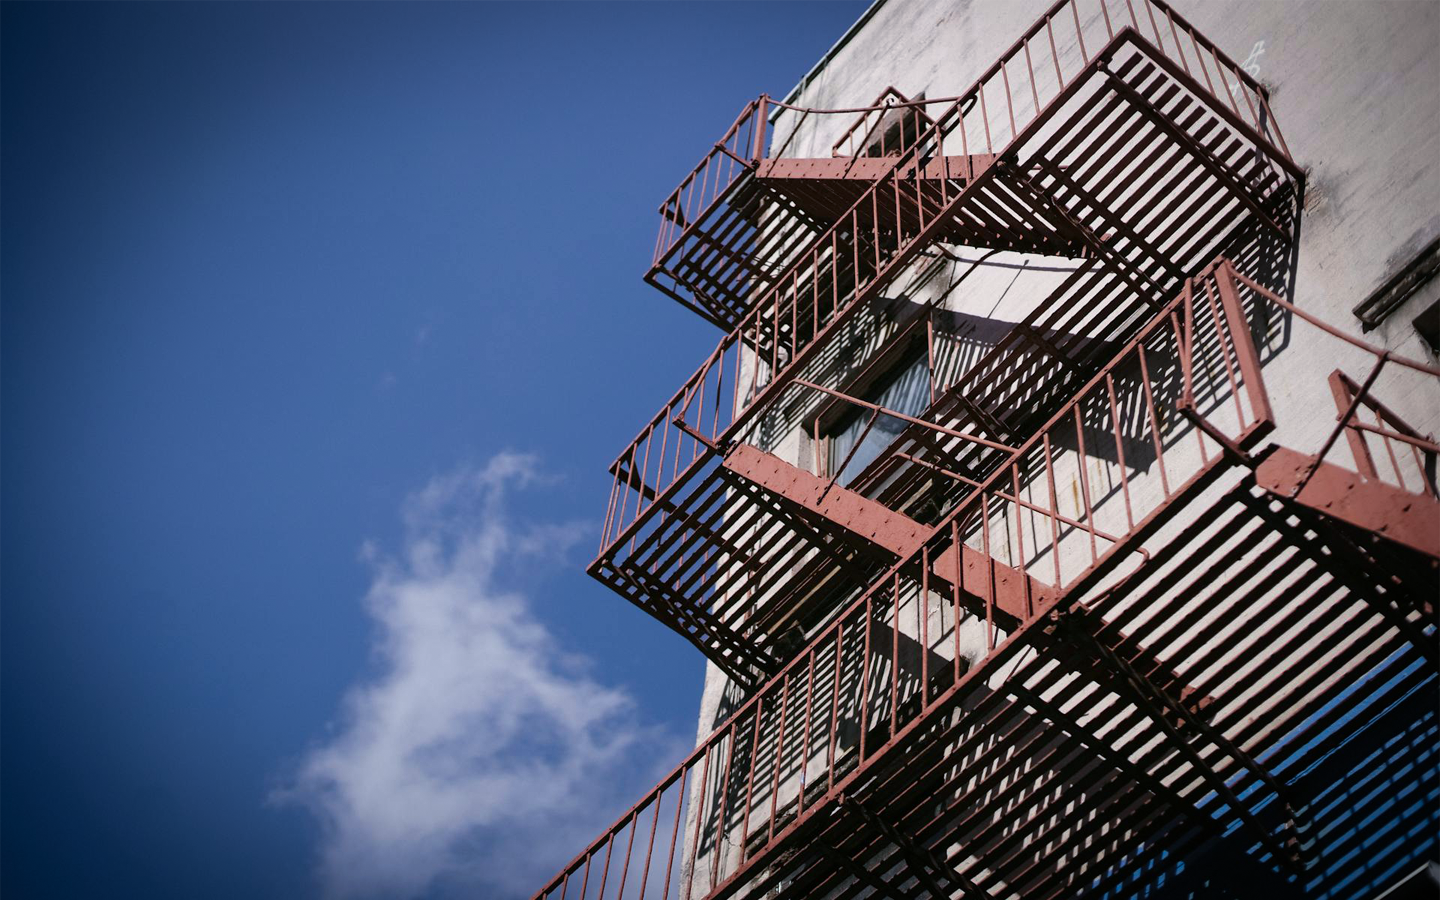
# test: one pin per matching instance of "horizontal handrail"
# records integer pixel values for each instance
(706, 271)
(843, 267)
(873, 119)
(727, 160)
(1416, 456)
(845, 698)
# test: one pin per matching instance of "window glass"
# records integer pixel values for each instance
(908, 392)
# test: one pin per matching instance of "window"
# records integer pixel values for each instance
(907, 391)
(1428, 324)
(899, 129)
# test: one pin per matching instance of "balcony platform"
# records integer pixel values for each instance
(1131, 158)
(1209, 652)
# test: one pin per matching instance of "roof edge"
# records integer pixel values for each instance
(834, 49)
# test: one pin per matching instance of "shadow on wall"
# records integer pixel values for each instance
(1370, 810)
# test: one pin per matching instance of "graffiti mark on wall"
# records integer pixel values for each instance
(1251, 65)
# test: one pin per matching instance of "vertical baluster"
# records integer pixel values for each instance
(1179, 50)
(865, 678)
(1389, 448)
(1230, 91)
(660, 481)
(779, 753)
(1054, 511)
(699, 821)
(718, 859)
(1034, 85)
(1220, 334)
(794, 316)
(955, 589)
(1083, 465)
(629, 849)
(1020, 541)
(939, 133)
(675, 830)
(895, 658)
(1200, 62)
(855, 250)
(874, 236)
(920, 191)
(585, 879)
(750, 782)
(650, 848)
(605, 872)
(756, 353)
(923, 611)
(1245, 92)
(1186, 353)
(688, 191)
(1154, 420)
(640, 505)
(814, 294)
(965, 142)
(609, 515)
(1079, 35)
(1009, 101)
(985, 120)
(719, 392)
(989, 572)
(805, 735)
(629, 485)
(1274, 126)
(1054, 54)
(1120, 451)
(739, 345)
(774, 338)
(1150, 11)
(835, 706)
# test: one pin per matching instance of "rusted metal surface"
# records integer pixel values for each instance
(895, 533)
(1389, 512)
(891, 125)
(671, 493)
(1074, 623)
(726, 236)
(889, 703)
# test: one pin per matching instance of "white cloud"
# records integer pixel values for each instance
(481, 756)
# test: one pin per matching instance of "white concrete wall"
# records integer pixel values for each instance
(1355, 87)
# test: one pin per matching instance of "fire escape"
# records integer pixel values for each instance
(1062, 626)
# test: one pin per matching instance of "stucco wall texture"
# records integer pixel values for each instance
(1355, 87)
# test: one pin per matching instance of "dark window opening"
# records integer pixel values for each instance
(905, 390)
(1428, 324)
(901, 131)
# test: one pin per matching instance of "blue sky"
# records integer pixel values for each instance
(320, 324)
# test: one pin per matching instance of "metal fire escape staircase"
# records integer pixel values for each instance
(947, 688)
(1151, 174)
(733, 223)
(881, 762)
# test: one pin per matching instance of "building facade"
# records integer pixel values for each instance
(1058, 509)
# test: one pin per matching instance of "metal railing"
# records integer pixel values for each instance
(1409, 460)
(901, 213)
(731, 157)
(894, 656)
(889, 127)
(1048, 56)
